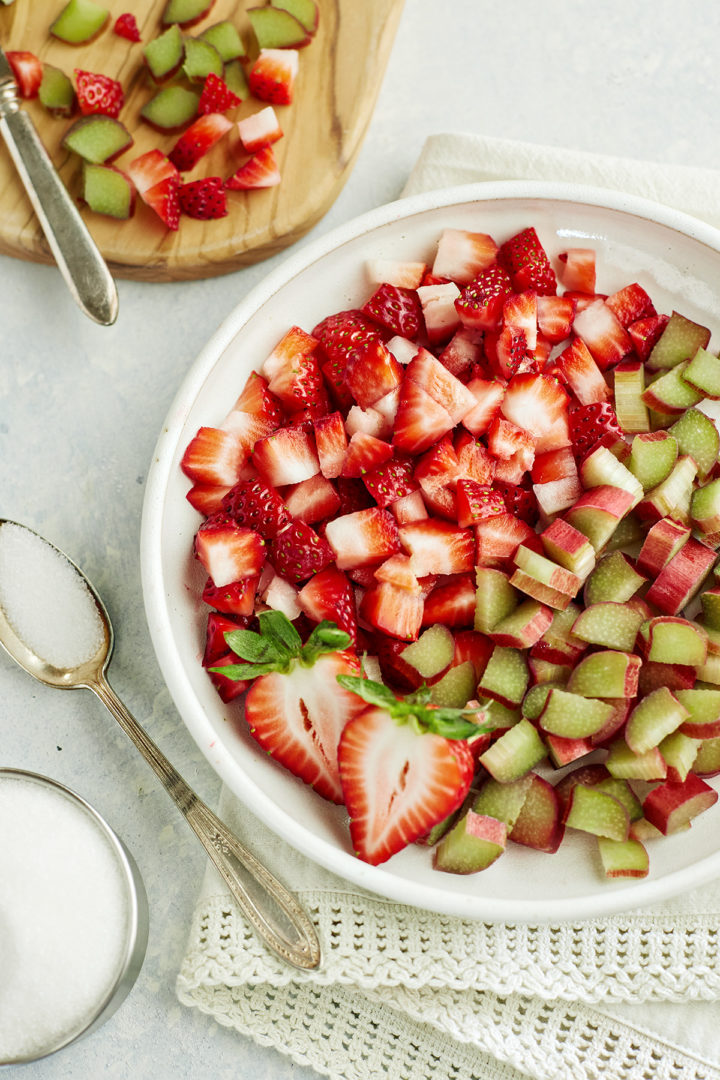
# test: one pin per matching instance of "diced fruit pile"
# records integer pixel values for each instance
(196, 82)
(491, 493)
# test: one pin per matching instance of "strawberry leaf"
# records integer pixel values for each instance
(277, 627)
(414, 709)
(374, 693)
(326, 637)
(253, 647)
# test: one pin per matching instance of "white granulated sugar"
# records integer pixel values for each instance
(63, 918)
(45, 600)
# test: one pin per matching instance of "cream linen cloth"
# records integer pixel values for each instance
(410, 995)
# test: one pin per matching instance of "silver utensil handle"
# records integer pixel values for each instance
(75, 251)
(273, 912)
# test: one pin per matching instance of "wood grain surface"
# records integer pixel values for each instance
(339, 79)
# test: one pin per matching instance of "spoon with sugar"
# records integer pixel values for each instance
(55, 626)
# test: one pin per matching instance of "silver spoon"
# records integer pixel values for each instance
(273, 912)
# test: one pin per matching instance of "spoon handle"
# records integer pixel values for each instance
(274, 913)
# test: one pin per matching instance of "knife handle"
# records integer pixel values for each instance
(75, 251)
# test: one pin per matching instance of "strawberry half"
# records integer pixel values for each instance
(272, 77)
(400, 778)
(98, 93)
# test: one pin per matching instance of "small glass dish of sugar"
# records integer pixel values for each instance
(73, 917)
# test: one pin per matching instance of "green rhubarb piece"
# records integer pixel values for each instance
(679, 751)
(679, 341)
(703, 707)
(79, 21)
(663, 541)
(498, 716)
(710, 601)
(558, 644)
(705, 508)
(697, 437)
(57, 92)
(630, 409)
(235, 79)
(171, 108)
(164, 53)
(672, 639)
(546, 572)
(707, 759)
(546, 671)
(606, 674)
(536, 697)
(185, 12)
(225, 37)
(305, 11)
(652, 457)
(568, 547)
(623, 858)
(613, 579)
(598, 512)
(709, 672)
(523, 626)
(629, 532)
(506, 676)
(594, 811)
(572, 716)
(672, 497)
(97, 138)
(656, 716)
(107, 191)
(602, 467)
(621, 790)
(276, 28)
(473, 844)
(624, 764)
(455, 688)
(495, 598)
(612, 625)
(538, 824)
(670, 392)
(432, 652)
(703, 372)
(503, 801)
(514, 753)
(201, 59)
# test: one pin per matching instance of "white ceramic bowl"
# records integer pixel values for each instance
(677, 259)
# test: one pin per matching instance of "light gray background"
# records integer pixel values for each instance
(81, 408)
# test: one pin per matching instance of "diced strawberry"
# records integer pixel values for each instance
(577, 269)
(396, 309)
(257, 506)
(520, 315)
(438, 547)
(554, 465)
(229, 551)
(236, 598)
(207, 498)
(259, 171)
(213, 456)
(126, 26)
(427, 372)
(257, 399)
(526, 261)
(439, 466)
(581, 373)
(297, 553)
(480, 303)
(410, 507)
(353, 495)
(294, 375)
(394, 610)
(396, 783)
(511, 355)
(604, 336)
(645, 332)
(364, 538)
(27, 71)
(98, 93)
(438, 310)
(400, 272)
(365, 453)
(477, 501)
(198, 139)
(164, 199)
(463, 354)
(555, 315)
(150, 169)
(228, 688)
(396, 671)
(519, 501)
(312, 500)
(488, 395)
(452, 603)
(630, 304)
(203, 199)
(272, 76)
(260, 129)
(554, 496)
(498, 538)
(420, 420)
(534, 402)
(398, 571)
(216, 96)
(371, 372)
(343, 333)
(461, 255)
(391, 481)
(287, 456)
(506, 439)
(474, 460)
(588, 424)
(331, 442)
(329, 595)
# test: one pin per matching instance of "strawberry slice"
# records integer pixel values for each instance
(331, 442)
(213, 456)
(364, 538)
(198, 139)
(461, 255)
(577, 269)
(259, 171)
(272, 77)
(555, 315)
(298, 553)
(27, 70)
(420, 420)
(365, 453)
(228, 551)
(400, 779)
(438, 547)
(98, 93)
(312, 500)
(526, 261)
(441, 385)
(394, 610)
(259, 129)
(329, 595)
(216, 96)
(488, 394)
(580, 372)
(396, 309)
(534, 402)
(603, 334)
(451, 604)
(498, 538)
(287, 456)
(203, 199)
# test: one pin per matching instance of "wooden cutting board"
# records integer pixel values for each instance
(340, 75)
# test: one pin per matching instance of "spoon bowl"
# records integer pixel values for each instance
(273, 912)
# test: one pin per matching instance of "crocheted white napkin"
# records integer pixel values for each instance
(412, 995)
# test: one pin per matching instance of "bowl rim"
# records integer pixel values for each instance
(377, 880)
